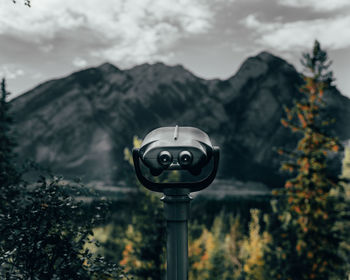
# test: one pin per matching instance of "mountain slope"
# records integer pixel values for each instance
(80, 124)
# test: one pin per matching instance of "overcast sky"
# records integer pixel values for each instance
(211, 38)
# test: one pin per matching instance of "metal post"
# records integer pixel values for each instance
(176, 210)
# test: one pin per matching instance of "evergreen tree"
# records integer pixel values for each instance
(9, 177)
(307, 228)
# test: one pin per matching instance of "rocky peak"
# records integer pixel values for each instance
(79, 125)
(159, 72)
(108, 67)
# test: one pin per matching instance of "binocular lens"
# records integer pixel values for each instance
(165, 158)
(185, 158)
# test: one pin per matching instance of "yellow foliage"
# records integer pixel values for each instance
(199, 252)
(173, 176)
(130, 261)
(234, 249)
(214, 252)
(128, 154)
(253, 248)
(100, 234)
(346, 169)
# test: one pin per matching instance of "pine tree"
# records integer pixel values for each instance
(9, 177)
(307, 226)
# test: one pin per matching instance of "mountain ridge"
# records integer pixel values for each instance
(80, 124)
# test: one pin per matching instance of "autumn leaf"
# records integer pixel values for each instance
(302, 120)
(284, 122)
(335, 148)
(298, 247)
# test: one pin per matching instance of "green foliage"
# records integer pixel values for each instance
(43, 230)
(45, 234)
(307, 228)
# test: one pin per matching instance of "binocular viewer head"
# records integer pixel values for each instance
(176, 148)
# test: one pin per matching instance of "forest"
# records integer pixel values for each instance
(300, 231)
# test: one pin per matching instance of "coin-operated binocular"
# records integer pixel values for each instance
(177, 148)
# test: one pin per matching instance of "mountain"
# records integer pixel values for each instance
(79, 125)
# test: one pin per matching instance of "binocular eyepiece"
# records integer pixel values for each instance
(176, 148)
(165, 158)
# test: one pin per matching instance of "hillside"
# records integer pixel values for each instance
(80, 124)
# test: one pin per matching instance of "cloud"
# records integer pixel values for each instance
(251, 21)
(36, 24)
(10, 71)
(79, 62)
(129, 31)
(333, 33)
(317, 5)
